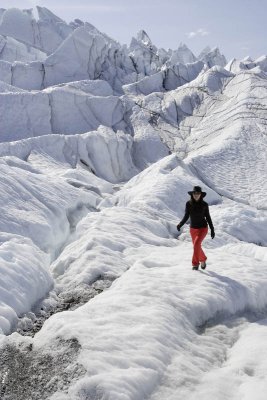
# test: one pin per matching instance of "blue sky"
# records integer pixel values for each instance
(237, 27)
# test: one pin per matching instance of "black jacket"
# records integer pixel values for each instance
(199, 214)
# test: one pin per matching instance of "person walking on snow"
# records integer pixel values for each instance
(198, 211)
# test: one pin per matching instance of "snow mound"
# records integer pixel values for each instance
(162, 187)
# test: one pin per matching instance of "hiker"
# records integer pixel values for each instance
(198, 211)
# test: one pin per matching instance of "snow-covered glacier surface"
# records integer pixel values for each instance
(99, 145)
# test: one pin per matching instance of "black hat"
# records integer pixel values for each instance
(197, 189)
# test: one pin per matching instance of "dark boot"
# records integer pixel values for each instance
(203, 264)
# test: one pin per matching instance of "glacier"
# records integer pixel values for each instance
(99, 145)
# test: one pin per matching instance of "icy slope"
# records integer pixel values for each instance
(47, 184)
(167, 79)
(64, 109)
(217, 125)
(46, 34)
(12, 50)
(232, 156)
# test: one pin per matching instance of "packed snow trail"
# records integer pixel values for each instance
(165, 305)
(164, 302)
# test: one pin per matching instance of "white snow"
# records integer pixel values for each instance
(12, 50)
(170, 77)
(147, 321)
(46, 34)
(63, 109)
(41, 196)
(24, 114)
(100, 144)
(17, 24)
(182, 55)
(6, 71)
(213, 57)
(20, 287)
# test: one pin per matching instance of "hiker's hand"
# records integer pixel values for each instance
(212, 234)
(178, 227)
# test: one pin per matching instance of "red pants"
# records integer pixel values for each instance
(198, 236)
